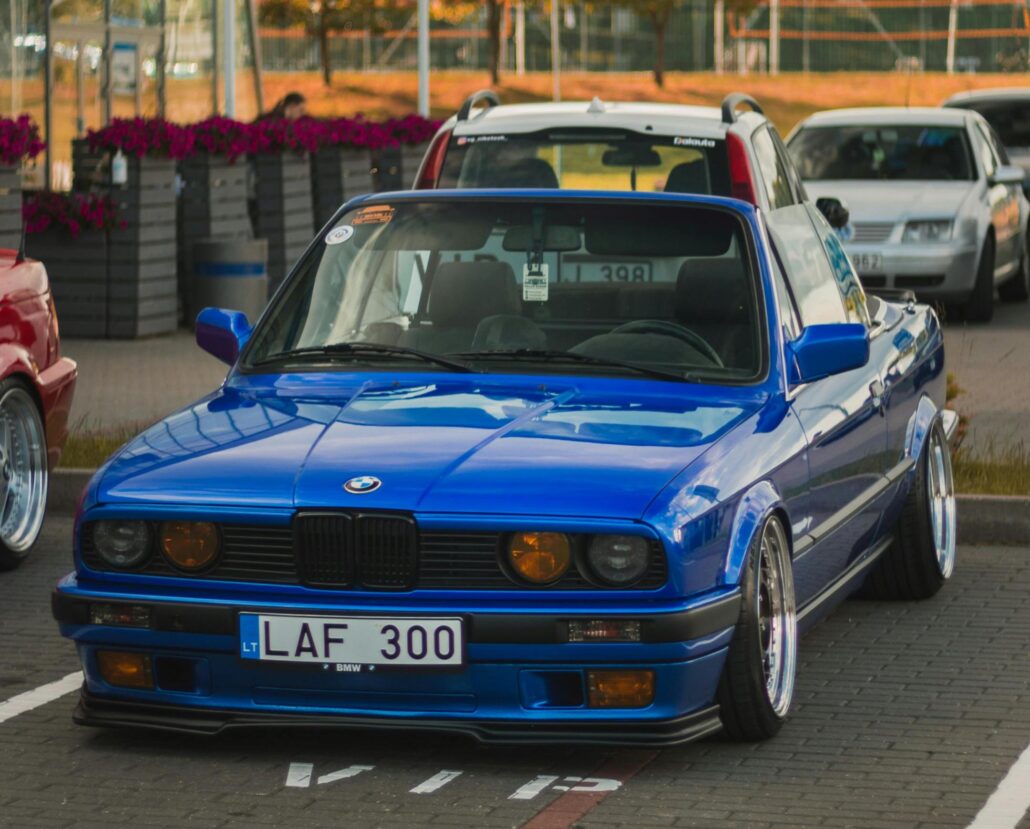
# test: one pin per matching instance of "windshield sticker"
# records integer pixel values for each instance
(339, 234)
(380, 214)
(462, 140)
(534, 283)
(681, 141)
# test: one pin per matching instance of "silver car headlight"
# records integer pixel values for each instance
(937, 230)
(618, 559)
(122, 543)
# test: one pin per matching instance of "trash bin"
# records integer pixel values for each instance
(230, 273)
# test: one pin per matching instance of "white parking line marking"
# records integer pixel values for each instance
(343, 774)
(299, 775)
(533, 787)
(437, 781)
(1011, 800)
(39, 696)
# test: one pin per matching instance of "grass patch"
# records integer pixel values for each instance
(89, 448)
(993, 471)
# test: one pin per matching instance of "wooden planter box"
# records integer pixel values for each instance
(212, 205)
(10, 206)
(338, 174)
(142, 256)
(78, 274)
(395, 167)
(283, 210)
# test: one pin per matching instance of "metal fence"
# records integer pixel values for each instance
(778, 35)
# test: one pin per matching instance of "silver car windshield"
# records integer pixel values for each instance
(589, 159)
(562, 287)
(902, 152)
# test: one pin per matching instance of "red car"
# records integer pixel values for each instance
(36, 388)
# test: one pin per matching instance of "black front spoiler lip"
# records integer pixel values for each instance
(98, 711)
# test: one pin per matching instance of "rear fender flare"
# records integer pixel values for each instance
(755, 505)
(919, 426)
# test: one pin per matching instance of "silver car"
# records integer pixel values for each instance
(935, 205)
(1008, 113)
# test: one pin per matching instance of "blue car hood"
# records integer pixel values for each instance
(600, 448)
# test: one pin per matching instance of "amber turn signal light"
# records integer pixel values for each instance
(540, 558)
(620, 689)
(125, 670)
(189, 545)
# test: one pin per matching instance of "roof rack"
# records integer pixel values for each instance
(732, 101)
(484, 96)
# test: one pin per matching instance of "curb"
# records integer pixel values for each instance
(982, 519)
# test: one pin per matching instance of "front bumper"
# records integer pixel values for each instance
(505, 692)
(940, 271)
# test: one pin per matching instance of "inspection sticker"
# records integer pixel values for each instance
(534, 283)
(378, 214)
(339, 234)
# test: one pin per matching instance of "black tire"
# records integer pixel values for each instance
(26, 411)
(745, 707)
(980, 304)
(910, 569)
(1017, 289)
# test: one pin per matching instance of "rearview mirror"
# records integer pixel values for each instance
(835, 211)
(223, 333)
(824, 350)
(1008, 174)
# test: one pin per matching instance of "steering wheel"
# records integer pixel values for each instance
(675, 330)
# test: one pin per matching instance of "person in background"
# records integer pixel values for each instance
(291, 107)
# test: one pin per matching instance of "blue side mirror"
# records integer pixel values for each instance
(223, 333)
(822, 350)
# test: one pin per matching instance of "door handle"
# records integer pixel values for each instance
(877, 391)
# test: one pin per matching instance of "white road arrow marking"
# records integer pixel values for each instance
(343, 774)
(437, 781)
(533, 787)
(1006, 807)
(299, 775)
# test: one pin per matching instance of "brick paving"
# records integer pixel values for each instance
(133, 383)
(907, 715)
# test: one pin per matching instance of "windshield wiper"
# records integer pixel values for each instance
(357, 350)
(550, 355)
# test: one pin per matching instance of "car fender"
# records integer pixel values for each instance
(16, 359)
(755, 505)
(919, 425)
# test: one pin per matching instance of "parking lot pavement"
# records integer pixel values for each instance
(907, 715)
(990, 364)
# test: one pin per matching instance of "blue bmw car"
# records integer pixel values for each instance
(523, 465)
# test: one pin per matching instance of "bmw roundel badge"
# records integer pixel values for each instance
(363, 484)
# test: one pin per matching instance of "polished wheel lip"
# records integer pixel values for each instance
(23, 470)
(777, 617)
(940, 495)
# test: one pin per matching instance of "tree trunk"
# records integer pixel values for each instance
(493, 26)
(660, 23)
(323, 48)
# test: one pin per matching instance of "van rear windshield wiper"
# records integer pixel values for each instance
(358, 350)
(549, 355)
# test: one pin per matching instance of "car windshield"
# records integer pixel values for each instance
(1010, 119)
(601, 287)
(589, 159)
(882, 152)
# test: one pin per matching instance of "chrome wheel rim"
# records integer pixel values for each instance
(941, 497)
(777, 617)
(23, 471)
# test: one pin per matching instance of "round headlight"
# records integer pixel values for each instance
(540, 558)
(122, 543)
(189, 545)
(618, 559)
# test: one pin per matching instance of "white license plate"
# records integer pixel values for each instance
(579, 268)
(867, 262)
(353, 640)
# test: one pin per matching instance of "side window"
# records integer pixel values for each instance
(809, 275)
(850, 288)
(986, 151)
(771, 168)
(788, 313)
(792, 171)
(999, 148)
